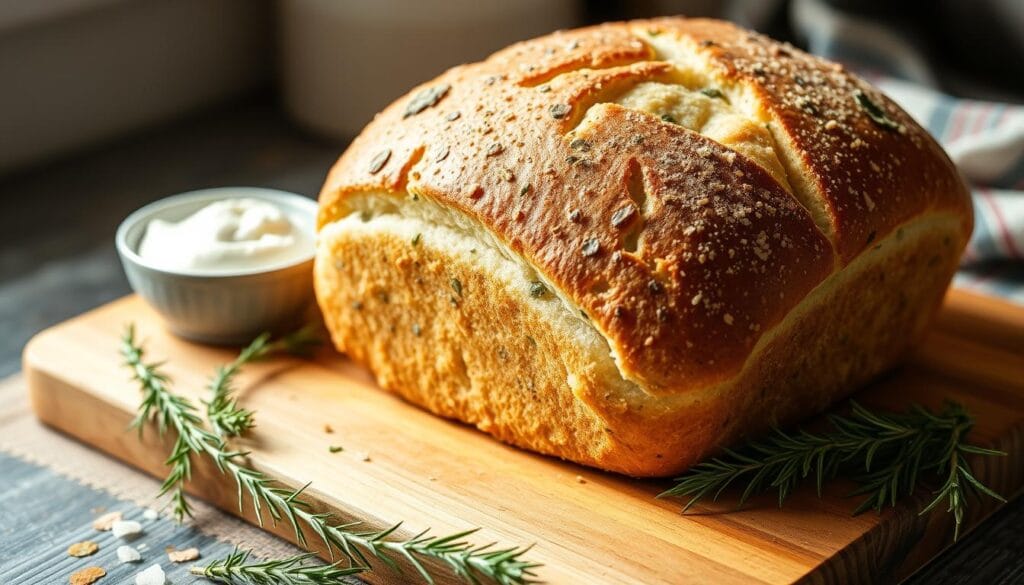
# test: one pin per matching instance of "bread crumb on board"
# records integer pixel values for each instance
(87, 576)
(580, 479)
(181, 556)
(83, 549)
(105, 522)
(150, 514)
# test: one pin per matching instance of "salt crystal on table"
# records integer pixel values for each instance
(151, 576)
(126, 529)
(150, 514)
(127, 554)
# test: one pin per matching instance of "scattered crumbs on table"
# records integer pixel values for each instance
(328, 428)
(105, 522)
(432, 478)
(126, 529)
(154, 575)
(580, 479)
(335, 448)
(142, 546)
(127, 554)
(181, 556)
(87, 576)
(83, 549)
(150, 514)
(363, 456)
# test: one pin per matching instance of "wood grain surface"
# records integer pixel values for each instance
(587, 526)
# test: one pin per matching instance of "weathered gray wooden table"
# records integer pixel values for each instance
(57, 260)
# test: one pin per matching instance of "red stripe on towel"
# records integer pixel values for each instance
(1004, 230)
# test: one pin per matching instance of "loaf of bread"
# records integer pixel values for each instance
(632, 244)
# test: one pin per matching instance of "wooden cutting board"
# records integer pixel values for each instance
(587, 526)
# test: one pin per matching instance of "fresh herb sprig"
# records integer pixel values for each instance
(237, 569)
(170, 410)
(226, 417)
(475, 564)
(887, 455)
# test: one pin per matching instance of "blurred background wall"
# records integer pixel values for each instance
(75, 73)
(79, 72)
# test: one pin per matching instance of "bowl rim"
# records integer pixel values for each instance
(291, 201)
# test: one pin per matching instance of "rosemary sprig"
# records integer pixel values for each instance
(167, 410)
(474, 564)
(226, 417)
(887, 455)
(236, 569)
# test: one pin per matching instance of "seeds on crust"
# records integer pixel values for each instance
(378, 161)
(425, 99)
(559, 111)
(537, 289)
(622, 216)
(874, 111)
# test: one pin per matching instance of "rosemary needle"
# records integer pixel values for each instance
(887, 455)
(237, 569)
(228, 419)
(474, 564)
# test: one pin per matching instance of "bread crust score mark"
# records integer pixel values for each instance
(681, 253)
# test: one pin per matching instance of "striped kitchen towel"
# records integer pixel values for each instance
(985, 139)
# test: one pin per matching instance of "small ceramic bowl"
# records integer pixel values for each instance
(226, 308)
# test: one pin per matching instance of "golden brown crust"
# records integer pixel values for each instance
(871, 177)
(487, 354)
(683, 253)
(492, 134)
